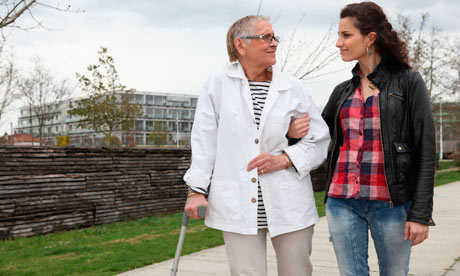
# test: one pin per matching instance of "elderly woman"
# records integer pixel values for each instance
(241, 157)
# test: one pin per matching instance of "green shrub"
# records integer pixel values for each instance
(63, 140)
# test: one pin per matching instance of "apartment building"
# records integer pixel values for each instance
(167, 116)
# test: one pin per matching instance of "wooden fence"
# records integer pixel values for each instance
(43, 190)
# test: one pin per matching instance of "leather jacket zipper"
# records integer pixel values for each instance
(396, 96)
(383, 151)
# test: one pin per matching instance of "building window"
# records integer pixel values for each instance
(139, 139)
(172, 126)
(149, 125)
(139, 125)
(160, 100)
(149, 111)
(149, 99)
(139, 99)
(193, 102)
(159, 113)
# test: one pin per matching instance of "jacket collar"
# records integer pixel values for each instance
(279, 81)
(380, 75)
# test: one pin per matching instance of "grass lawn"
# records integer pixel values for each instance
(103, 250)
(116, 247)
(446, 177)
(446, 165)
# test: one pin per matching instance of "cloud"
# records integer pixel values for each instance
(171, 46)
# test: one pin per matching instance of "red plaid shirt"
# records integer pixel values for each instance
(359, 170)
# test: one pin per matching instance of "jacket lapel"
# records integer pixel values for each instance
(235, 70)
(279, 84)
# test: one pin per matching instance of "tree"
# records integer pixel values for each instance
(306, 60)
(158, 137)
(8, 74)
(63, 140)
(12, 10)
(109, 105)
(426, 52)
(43, 94)
(453, 63)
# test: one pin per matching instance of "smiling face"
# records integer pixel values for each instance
(259, 52)
(351, 42)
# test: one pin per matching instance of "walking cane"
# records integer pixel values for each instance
(180, 243)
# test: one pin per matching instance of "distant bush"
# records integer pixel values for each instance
(457, 160)
(63, 140)
(114, 141)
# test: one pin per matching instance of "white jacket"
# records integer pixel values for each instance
(225, 138)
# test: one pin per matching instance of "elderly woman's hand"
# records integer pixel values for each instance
(267, 163)
(193, 202)
(299, 127)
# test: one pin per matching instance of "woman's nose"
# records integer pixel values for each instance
(339, 43)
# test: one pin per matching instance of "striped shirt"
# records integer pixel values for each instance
(359, 171)
(259, 91)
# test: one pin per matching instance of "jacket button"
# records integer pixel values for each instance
(253, 180)
(253, 200)
(256, 141)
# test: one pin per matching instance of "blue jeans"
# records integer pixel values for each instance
(349, 221)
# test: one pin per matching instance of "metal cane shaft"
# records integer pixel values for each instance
(180, 243)
(185, 220)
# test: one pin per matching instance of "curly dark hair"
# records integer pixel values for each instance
(369, 17)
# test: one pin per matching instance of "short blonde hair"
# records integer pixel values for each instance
(241, 28)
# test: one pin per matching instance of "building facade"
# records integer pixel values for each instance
(446, 118)
(167, 121)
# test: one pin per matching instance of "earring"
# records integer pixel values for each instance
(369, 50)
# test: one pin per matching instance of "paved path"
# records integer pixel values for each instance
(432, 258)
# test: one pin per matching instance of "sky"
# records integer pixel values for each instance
(172, 46)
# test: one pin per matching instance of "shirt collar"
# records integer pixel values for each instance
(279, 80)
(380, 74)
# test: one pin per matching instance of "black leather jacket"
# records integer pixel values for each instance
(407, 134)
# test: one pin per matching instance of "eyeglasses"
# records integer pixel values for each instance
(267, 38)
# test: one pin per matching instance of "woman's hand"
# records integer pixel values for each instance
(416, 232)
(193, 202)
(267, 163)
(299, 127)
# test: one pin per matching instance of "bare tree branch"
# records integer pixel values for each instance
(260, 5)
(14, 9)
(290, 47)
(426, 52)
(306, 61)
(7, 81)
(13, 14)
(43, 94)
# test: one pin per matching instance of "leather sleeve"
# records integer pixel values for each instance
(423, 136)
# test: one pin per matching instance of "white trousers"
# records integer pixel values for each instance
(247, 254)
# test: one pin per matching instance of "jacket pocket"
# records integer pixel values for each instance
(394, 95)
(403, 160)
